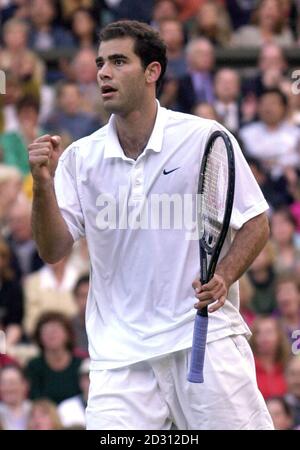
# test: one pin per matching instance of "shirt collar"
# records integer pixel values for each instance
(113, 148)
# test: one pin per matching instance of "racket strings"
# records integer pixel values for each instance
(214, 192)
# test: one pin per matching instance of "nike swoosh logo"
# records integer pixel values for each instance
(165, 172)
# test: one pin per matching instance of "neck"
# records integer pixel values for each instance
(29, 134)
(292, 319)
(174, 53)
(86, 40)
(57, 358)
(16, 407)
(56, 353)
(273, 126)
(58, 273)
(267, 360)
(260, 275)
(285, 246)
(44, 28)
(227, 101)
(134, 129)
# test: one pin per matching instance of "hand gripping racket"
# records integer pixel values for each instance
(215, 192)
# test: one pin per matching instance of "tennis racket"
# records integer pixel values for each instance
(215, 192)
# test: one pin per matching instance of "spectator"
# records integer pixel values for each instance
(25, 256)
(164, 10)
(14, 8)
(11, 298)
(227, 92)
(271, 350)
(131, 9)
(72, 410)
(84, 73)
(262, 277)
(68, 117)
(272, 71)
(206, 111)
(14, 406)
(283, 229)
(25, 65)
(270, 26)
(68, 7)
(293, 383)
(84, 27)
(80, 294)
(54, 374)
(188, 8)
(246, 294)
(240, 12)
(272, 139)
(10, 186)
(8, 112)
(172, 32)
(276, 192)
(197, 86)
(281, 413)
(212, 22)
(49, 289)
(15, 52)
(288, 303)
(44, 35)
(44, 416)
(14, 144)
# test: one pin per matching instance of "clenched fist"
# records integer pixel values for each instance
(44, 153)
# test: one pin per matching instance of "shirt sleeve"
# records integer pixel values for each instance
(248, 197)
(66, 190)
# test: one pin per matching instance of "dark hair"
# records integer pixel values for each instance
(6, 273)
(28, 101)
(63, 320)
(288, 277)
(148, 45)
(65, 83)
(287, 213)
(277, 92)
(92, 14)
(84, 279)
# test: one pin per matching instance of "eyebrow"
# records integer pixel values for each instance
(113, 57)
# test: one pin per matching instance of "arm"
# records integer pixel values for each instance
(50, 231)
(247, 244)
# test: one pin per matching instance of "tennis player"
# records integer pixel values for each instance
(141, 304)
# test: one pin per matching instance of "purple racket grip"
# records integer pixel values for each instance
(198, 350)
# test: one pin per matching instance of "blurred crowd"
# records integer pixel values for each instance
(44, 371)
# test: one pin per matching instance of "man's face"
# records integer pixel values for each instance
(227, 85)
(121, 76)
(201, 57)
(69, 99)
(172, 34)
(271, 109)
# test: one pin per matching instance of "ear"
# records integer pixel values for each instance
(153, 72)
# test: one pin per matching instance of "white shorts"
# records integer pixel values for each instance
(155, 394)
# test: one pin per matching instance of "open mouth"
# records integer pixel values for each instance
(107, 90)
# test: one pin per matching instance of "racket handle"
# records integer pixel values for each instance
(198, 349)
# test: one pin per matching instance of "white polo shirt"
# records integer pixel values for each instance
(140, 303)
